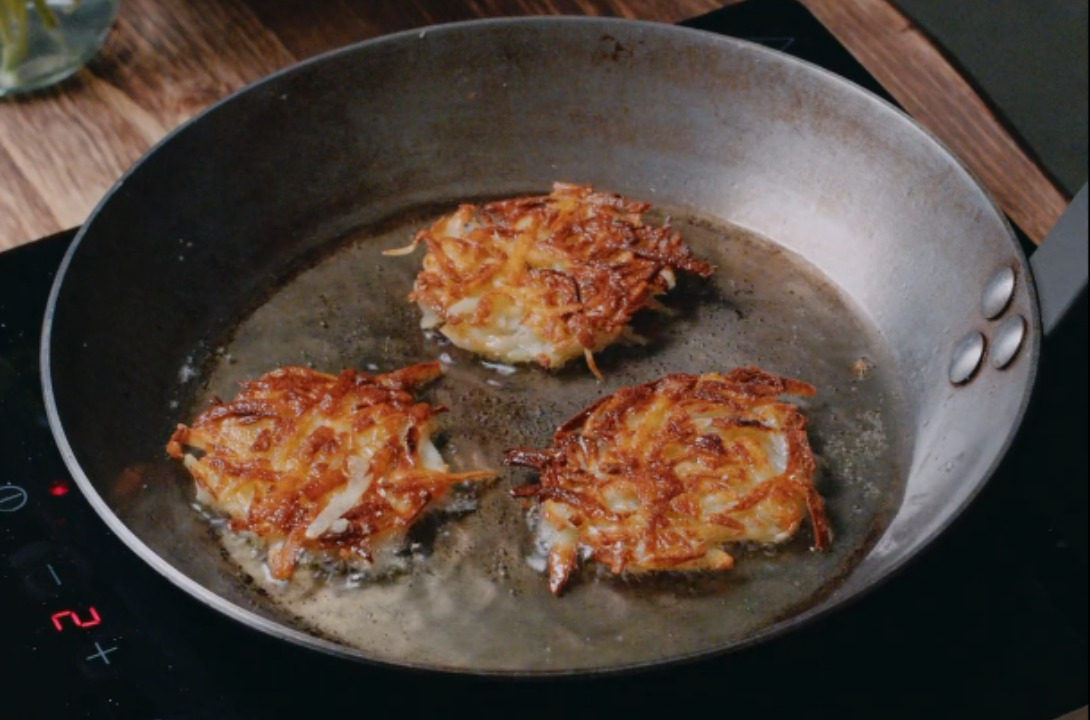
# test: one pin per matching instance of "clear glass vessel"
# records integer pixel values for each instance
(44, 41)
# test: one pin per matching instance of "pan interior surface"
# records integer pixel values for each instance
(851, 248)
(469, 581)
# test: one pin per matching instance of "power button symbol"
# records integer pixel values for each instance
(12, 498)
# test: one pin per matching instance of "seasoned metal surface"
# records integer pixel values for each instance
(251, 238)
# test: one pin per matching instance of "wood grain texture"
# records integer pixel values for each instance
(162, 63)
(61, 150)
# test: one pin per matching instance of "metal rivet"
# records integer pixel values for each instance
(997, 293)
(1009, 335)
(968, 353)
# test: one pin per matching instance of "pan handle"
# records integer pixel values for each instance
(1060, 264)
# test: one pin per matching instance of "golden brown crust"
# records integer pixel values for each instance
(317, 462)
(661, 475)
(561, 274)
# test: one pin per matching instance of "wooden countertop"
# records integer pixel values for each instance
(62, 149)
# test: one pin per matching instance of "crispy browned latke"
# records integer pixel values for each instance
(546, 278)
(332, 465)
(660, 476)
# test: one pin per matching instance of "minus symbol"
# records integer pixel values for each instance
(54, 574)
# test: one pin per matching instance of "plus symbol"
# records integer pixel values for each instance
(102, 653)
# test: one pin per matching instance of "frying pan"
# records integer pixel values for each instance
(854, 252)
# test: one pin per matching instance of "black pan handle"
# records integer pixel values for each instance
(1060, 264)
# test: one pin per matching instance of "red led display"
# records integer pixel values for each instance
(79, 622)
(59, 488)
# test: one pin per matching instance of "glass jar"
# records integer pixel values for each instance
(44, 41)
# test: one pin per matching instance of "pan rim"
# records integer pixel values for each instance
(260, 623)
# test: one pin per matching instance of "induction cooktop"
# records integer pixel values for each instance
(989, 622)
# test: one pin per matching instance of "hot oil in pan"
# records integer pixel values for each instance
(470, 590)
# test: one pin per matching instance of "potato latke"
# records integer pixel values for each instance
(546, 278)
(329, 465)
(662, 475)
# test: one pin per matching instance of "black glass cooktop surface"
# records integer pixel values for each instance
(989, 622)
